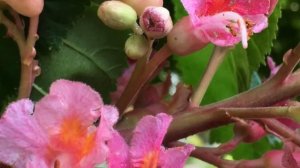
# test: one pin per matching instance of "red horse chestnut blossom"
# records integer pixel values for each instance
(145, 150)
(59, 131)
(226, 22)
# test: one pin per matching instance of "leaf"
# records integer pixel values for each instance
(91, 52)
(255, 150)
(57, 18)
(9, 69)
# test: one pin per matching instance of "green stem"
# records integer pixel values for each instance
(214, 62)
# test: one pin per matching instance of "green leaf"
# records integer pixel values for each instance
(57, 18)
(91, 52)
(9, 69)
(255, 150)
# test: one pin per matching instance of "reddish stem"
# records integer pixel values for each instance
(196, 120)
(27, 60)
(27, 50)
(133, 88)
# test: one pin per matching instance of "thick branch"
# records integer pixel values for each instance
(271, 92)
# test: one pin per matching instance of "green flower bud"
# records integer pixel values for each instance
(136, 46)
(117, 15)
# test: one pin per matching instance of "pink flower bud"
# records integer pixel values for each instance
(182, 39)
(251, 131)
(140, 5)
(117, 15)
(27, 8)
(156, 22)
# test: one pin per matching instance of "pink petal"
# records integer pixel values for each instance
(20, 133)
(273, 4)
(193, 7)
(109, 116)
(260, 22)
(175, 157)
(118, 152)
(214, 29)
(36, 162)
(66, 99)
(252, 7)
(200, 8)
(223, 29)
(148, 135)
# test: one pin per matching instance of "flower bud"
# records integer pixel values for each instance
(251, 131)
(136, 46)
(117, 15)
(140, 5)
(182, 39)
(156, 22)
(27, 8)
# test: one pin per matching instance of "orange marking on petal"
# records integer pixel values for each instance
(71, 129)
(150, 160)
(74, 137)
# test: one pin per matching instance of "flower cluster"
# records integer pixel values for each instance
(60, 131)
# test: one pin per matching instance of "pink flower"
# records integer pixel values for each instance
(59, 131)
(145, 150)
(227, 22)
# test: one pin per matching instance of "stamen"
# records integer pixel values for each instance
(236, 18)
(244, 33)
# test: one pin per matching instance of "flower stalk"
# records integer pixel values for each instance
(216, 59)
(142, 74)
(29, 67)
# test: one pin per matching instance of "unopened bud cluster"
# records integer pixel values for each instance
(154, 21)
